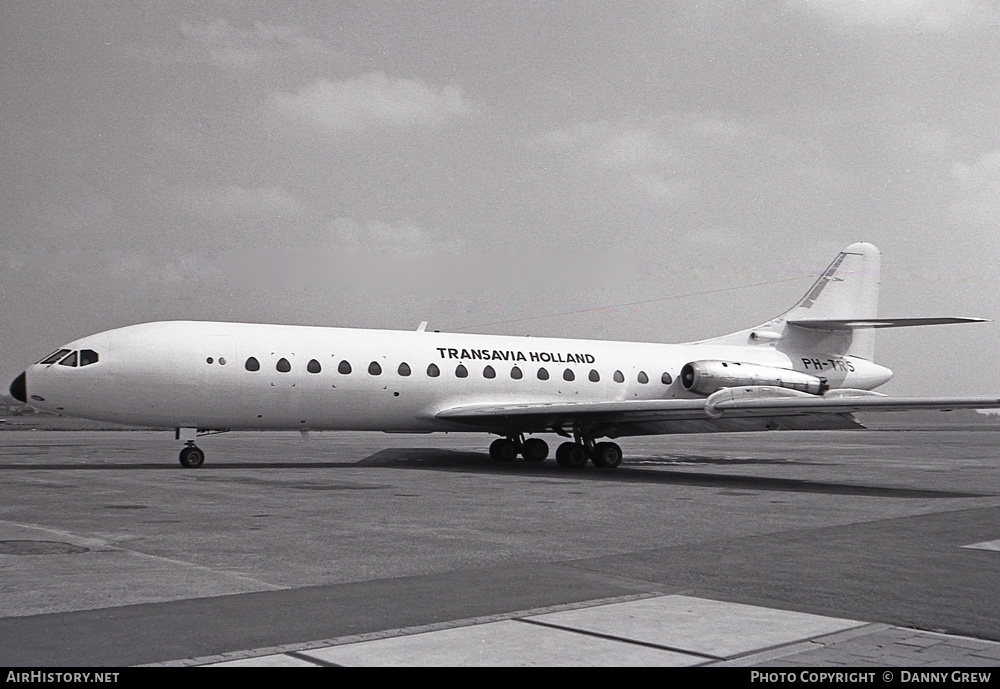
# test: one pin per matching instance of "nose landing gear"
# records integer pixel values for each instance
(192, 456)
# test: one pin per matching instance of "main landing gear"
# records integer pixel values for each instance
(574, 455)
(507, 449)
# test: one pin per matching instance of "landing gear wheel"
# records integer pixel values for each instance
(192, 457)
(503, 450)
(606, 455)
(571, 455)
(535, 450)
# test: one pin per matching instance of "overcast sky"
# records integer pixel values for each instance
(503, 167)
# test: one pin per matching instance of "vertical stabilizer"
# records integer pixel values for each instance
(847, 289)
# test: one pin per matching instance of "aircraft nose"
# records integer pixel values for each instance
(19, 389)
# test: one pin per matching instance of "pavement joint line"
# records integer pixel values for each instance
(403, 631)
(948, 635)
(852, 633)
(757, 657)
(300, 650)
(104, 546)
(612, 637)
(311, 659)
(814, 643)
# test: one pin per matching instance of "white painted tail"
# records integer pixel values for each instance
(846, 292)
(837, 314)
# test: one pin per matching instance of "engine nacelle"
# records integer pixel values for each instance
(708, 376)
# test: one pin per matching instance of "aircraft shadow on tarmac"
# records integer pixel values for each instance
(437, 459)
(451, 460)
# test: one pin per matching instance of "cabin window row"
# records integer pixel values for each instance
(461, 371)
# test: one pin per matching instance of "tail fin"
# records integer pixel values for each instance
(837, 314)
(846, 292)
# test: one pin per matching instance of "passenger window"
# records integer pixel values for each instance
(643, 378)
(516, 374)
(404, 369)
(88, 357)
(594, 376)
(252, 364)
(433, 371)
(488, 372)
(461, 371)
(313, 366)
(69, 361)
(543, 374)
(54, 356)
(283, 365)
(374, 369)
(666, 379)
(568, 375)
(619, 378)
(344, 368)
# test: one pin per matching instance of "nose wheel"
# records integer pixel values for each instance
(192, 456)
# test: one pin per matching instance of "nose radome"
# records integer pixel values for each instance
(19, 389)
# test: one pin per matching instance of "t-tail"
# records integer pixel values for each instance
(838, 313)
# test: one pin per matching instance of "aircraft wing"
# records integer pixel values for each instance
(729, 409)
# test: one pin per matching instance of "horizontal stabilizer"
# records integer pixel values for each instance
(852, 323)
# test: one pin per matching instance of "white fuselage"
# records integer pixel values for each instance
(196, 374)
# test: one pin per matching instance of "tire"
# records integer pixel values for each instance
(192, 457)
(607, 455)
(571, 456)
(535, 450)
(503, 450)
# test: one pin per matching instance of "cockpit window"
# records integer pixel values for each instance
(69, 361)
(88, 357)
(54, 356)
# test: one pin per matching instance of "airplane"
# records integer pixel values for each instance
(809, 368)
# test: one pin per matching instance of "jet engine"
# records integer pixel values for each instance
(708, 376)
